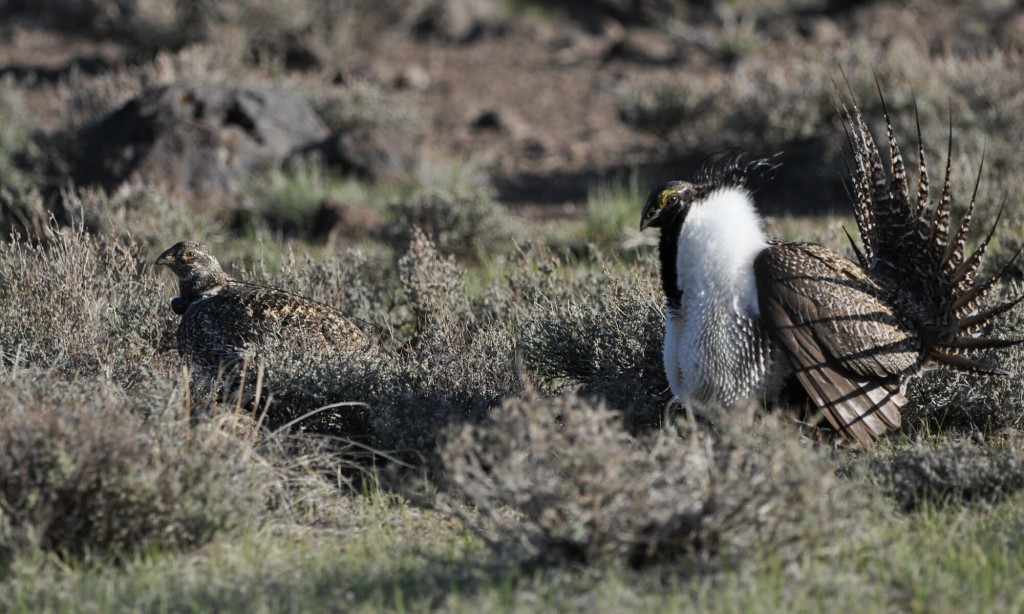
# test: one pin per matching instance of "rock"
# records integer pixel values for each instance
(376, 151)
(824, 32)
(534, 148)
(349, 221)
(202, 140)
(458, 21)
(645, 45)
(637, 12)
(413, 77)
(300, 55)
(503, 121)
(488, 120)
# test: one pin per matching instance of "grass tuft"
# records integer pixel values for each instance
(84, 473)
(588, 491)
(951, 474)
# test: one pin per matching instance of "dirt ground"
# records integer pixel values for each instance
(534, 97)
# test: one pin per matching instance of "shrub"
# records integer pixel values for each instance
(84, 306)
(951, 473)
(585, 490)
(21, 205)
(149, 26)
(136, 212)
(776, 105)
(432, 288)
(361, 103)
(660, 109)
(464, 220)
(947, 401)
(83, 473)
(23, 212)
(457, 361)
(601, 331)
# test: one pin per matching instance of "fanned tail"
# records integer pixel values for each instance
(861, 174)
(899, 216)
(907, 243)
(921, 213)
(938, 231)
(953, 255)
(973, 296)
(963, 363)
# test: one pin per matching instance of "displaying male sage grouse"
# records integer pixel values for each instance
(224, 321)
(744, 313)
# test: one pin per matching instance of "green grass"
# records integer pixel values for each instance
(13, 128)
(381, 552)
(290, 198)
(937, 561)
(389, 555)
(613, 212)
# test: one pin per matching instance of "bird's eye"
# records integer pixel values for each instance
(672, 199)
(188, 255)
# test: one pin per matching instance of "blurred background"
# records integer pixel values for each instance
(336, 122)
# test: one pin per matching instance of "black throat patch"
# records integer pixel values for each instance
(668, 250)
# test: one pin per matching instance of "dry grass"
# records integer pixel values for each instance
(85, 473)
(587, 491)
(80, 305)
(951, 474)
(599, 329)
(462, 220)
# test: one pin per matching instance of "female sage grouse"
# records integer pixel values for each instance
(224, 322)
(743, 312)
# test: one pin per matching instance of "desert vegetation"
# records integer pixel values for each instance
(463, 179)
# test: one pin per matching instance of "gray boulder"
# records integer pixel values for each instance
(202, 140)
(376, 152)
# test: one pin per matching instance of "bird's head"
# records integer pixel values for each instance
(726, 169)
(667, 201)
(197, 270)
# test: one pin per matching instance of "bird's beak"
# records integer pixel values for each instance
(649, 212)
(165, 258)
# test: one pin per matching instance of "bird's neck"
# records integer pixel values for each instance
(668, 251)
(198, 284)
(716, 248)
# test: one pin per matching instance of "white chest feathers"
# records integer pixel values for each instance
(716, 350)
(717, 245)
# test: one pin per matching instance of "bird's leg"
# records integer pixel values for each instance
(697, 413)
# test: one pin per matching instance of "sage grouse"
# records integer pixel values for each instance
(744, 312)
(224, 322)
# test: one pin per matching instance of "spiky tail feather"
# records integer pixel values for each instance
(907, 238)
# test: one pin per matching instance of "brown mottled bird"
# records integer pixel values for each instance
(745, 313)
(224, 322)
